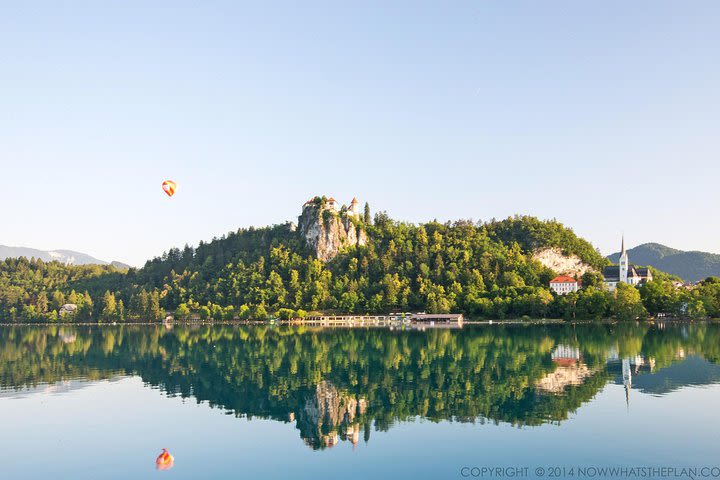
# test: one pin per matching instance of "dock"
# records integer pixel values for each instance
(420, 321)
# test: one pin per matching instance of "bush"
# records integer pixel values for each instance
(285, 314)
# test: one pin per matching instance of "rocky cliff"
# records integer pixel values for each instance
(328, 231)
(329, 415)
(555, 260)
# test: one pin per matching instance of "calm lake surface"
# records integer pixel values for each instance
(234, 401)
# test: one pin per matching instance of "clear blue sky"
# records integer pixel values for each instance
(604, 115)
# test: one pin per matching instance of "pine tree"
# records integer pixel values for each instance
(85, 309)
(120, 310)
(109, 309)
(42, 302)
(366, 216)
(154, 311)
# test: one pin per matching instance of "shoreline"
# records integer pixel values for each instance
(544, 321)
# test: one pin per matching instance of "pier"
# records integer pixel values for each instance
(420, 321)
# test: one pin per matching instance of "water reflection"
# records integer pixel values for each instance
(338, 385)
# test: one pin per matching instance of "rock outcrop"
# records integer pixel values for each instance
(565, 376)
(328, 231)
(330, 415)
(555, 260)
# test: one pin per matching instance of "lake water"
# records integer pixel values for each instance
(234, 401)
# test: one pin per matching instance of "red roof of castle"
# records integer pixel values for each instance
(563, 279)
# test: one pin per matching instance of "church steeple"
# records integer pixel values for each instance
(627, 380)
(624, 264)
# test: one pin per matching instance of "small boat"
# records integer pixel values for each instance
(164, 461)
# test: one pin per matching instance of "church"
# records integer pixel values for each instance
(625, 272)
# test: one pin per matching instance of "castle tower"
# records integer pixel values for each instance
(624, 264)
(354, 207)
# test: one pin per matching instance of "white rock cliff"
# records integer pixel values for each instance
(328, 231)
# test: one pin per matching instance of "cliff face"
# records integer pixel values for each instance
(327, 232)
(554, 259)
(329, 415)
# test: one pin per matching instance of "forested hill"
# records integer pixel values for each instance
(533, 234)
(690, 266)
(482, 269)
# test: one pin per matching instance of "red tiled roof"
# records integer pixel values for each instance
(563, 279)
(565, 362)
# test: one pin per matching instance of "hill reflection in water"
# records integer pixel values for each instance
(339, 385)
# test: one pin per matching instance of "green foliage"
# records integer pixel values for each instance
(285, 313)
(431, 267)
(628, 303)
(482, 270)
(366, 214)
(532, 234)
(33, 290)
(441, 375)
(182, 312)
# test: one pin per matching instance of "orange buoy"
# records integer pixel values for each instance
(169, 187)
(164, 461)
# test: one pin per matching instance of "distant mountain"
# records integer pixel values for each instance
(120, 265)
(690, 266)
(63, 256)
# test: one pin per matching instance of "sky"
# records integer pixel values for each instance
(602, 115)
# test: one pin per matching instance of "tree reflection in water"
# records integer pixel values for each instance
(337, 385)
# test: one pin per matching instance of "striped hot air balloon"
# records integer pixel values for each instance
(169, 187)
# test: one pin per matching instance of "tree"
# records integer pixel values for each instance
(591, 279)
(658, 296)
(109, 306)
(42, 303)
(139, 304)
(85, 308)
(258, 312)
(627, 303)
(57, 300)
(366, 215)
(592, 304)
(182, 311)
(120, 310)
(154, 311)
(285, 313)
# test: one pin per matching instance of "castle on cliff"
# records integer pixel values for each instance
(328, 228)
(331, 203)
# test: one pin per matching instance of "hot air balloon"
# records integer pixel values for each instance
(164, 461)
(169, 187)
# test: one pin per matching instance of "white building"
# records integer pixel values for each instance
(625, 272)
(564, 284)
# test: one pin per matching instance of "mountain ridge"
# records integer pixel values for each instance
(691, 266)
(68, 257)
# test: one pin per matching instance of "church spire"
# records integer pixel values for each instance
(624, 264)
